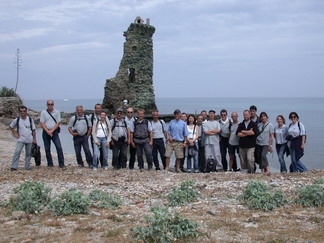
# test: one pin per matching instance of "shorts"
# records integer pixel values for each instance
(176, 147)
(233, 148)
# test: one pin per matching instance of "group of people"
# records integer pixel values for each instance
(202, 142)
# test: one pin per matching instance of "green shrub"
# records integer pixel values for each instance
(312, 195)
(7, 92)
(164, 227)
(258, 195)
(70, 202)
(31, 197)
(187, 192)
(104, 200)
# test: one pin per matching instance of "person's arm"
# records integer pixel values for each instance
(94, 134)
(303, 141)
(70, 127)
(109, 133)
(131, 140)
(11, 127)
(272, 139)
(90, 126)
(151, 138)
(33, 131)
(185, 142)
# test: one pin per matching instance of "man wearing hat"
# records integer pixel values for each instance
(177, 140)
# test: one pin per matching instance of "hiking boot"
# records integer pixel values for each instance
(13, 169)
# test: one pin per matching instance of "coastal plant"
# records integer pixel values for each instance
(30, 197)
(104, 200)
(311, 195)
(70, 202)
(165, 227)
(7, 92)
(258, 195)
(186, 192)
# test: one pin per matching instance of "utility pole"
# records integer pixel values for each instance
(18, 62)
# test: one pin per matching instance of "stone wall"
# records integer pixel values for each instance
(133, 83)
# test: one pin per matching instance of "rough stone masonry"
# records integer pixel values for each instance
(133, 83)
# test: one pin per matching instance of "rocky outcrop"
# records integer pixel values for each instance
(9, 106)
(133, 84)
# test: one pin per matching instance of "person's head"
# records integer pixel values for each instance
(200, 119)
(130, 112)
(281, 120)
(22, 110)
(50, 105)
(140, 114)
(223, 114)
(155, 115)
(119, 113)
(211, 115)
(177, 114)
(253, 110)
(184, 116)
(264, 117)
(191, 119)
(247, 115)
(98, 109)
(204, 114)
(79, 110)
(103, 116)
(293, 116)
(234, 116)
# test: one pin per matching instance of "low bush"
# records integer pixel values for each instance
(70, 202)
(258, 195)
(104, 200)
(164, 227)
(312, 195)
(7, 92)
(31, 197)
(187, 192)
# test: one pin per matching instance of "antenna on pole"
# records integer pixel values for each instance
(18, 62)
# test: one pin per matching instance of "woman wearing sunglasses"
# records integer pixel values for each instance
(296, 142)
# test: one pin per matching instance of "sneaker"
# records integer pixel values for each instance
(149, 169)
(183, 170)
(105, 167)
(28, 168)
(177, 171)
(157, 168)
(141, 169)
(13, 169)
(95, 168)
(80, 165)
(197, 171)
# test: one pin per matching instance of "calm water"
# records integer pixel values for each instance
(310, 111)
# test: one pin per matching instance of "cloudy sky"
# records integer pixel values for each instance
(222, 48)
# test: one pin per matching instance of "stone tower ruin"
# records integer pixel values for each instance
(133, 83)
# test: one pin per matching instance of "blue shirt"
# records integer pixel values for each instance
(178, 130)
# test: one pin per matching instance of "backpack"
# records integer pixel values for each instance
(161, 125)
(85, 118)
(114, 126)
(210, 165)
(30, 121)
(299, 130)
(106, 135)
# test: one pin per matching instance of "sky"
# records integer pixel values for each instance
(206, 48)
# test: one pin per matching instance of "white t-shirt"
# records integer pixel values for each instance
(191, 134)
(281, 134)
(294, 130)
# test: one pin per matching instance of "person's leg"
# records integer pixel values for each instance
(104, 152)
(189, 163)
(243, 159)
(168, 152)
(161, 149)
(195, 163)
(155, 153)
(28, 147)
(148, 154)
(85, 145)
(115, 149)
(57, 142)
(223, 151)
(16, 156)
(95, 155)
(47, 147)
(264, 159)
(293, 167)
(77, 148)
(281, 149)
(218, 156)
(235, 168)
(301, 167)
(250, 160)
(132, 157)
(123, 155)
(139, 152)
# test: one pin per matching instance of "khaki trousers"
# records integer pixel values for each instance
(247, 159)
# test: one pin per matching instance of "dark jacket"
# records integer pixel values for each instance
(248, 141)
(295, 144)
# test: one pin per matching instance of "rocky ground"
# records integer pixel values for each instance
(222, 218)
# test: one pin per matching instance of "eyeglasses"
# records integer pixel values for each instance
(50, 104)
(129, 112)
(119, 112)
(22, 111)
(293, 117)
(223, 114)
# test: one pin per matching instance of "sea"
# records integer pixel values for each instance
(310, 111)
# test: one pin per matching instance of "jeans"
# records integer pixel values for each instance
(247, 159)
(148, 154)
(96, 151)
(223, 145)
(119, 155)
(82, 141)
(195, 161)
(158, 147)
(15, 158)
(296, 165)
(281, 149)
(100, 151)
(47, 144)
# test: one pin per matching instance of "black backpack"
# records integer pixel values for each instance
(210, 165)
(76, 119)
(125, 124)
(299, 130)
(30, 121)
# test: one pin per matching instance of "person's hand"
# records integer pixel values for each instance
(184, 145)
(112, 143)
(34, 141)
(17, 135)
(50, 133)
(75, 134)
(151, 143)
(302, 146)
(270, 149)
(170, 140)
(133, 145)
(98, 143)
(107, 145)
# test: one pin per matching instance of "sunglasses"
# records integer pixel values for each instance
(129, 112)
(50, 104)
(293, 117)
(22, 111)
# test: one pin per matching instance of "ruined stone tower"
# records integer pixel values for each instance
(133, 83)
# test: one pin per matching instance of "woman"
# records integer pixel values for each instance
(264, 142)
(201, 143)
(101, 134)
(296, 142)
(280, 133)
(192, 147)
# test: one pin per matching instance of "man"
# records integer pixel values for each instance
(247, 131)
(120, 138)
(233, 142)
(142, 139)
(224, 136)
(254, 117)
(212, 130)
(201, 144)
(80, 128)
(159, 133)
(177, 140)
(25, 135)
(132, 151)
(94, 118)
(50, 120)
(183, 118)
(204, 115)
